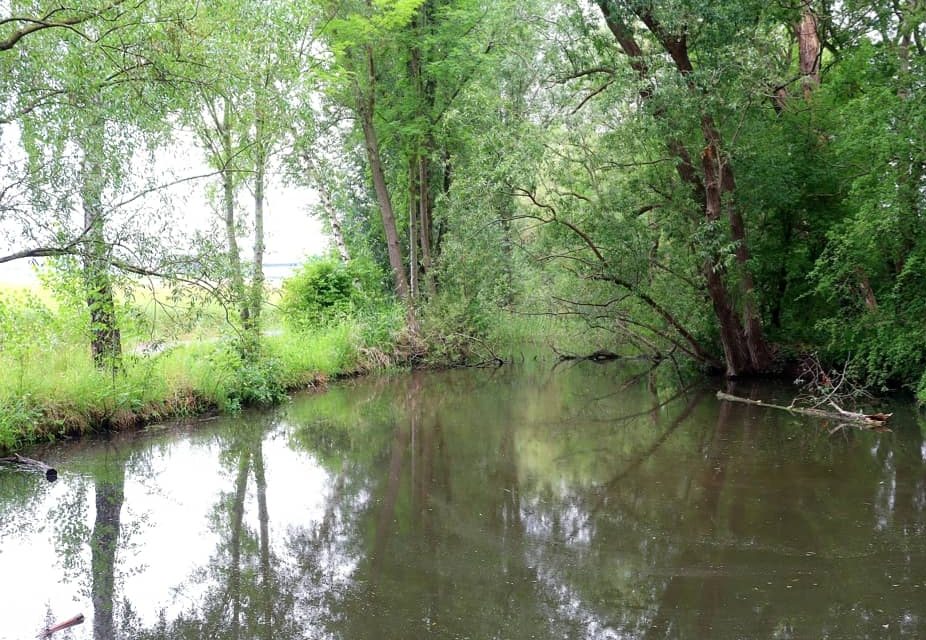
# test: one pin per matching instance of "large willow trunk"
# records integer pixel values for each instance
(745, 348)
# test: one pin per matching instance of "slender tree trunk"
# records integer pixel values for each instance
(105, 337)
(425, 217)
(385, 208)
(231, 226)
(103, 545)
(424, 90)
(413, 227)
(394, 250)
(328, 207)
(257, 277)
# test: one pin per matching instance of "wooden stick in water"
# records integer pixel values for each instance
(51, 474)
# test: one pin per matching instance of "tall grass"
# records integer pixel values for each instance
(183, 360)
(49, 387)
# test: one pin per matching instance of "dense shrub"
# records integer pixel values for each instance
(325, 290)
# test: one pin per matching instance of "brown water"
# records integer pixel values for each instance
(581, 502)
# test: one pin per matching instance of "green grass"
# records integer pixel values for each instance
(49, 387)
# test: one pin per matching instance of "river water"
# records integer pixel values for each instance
(587, 501)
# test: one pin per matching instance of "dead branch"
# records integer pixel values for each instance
(50, 473)
(871, 420)
(601, 355)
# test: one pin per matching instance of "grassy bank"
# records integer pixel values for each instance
(180, 360)
(187, 365)
(57, 393)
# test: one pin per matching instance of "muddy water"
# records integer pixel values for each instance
(582, 502)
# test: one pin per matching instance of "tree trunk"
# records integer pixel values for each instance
(809, 48)
(257, 277)
(413, 226)
(424, 217)
(105, 337)
(394, 250)
(424, 90)
(231, 227)
(328, 207)
(718, 181)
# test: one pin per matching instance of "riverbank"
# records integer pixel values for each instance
(50, 397)
(50, 389)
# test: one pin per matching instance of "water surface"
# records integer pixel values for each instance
(579, 502)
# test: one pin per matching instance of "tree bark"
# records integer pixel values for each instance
(809, 48)
(105, 337)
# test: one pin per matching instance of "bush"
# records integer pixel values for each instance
(326, 290)
(17, 420)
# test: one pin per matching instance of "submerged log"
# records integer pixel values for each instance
(50, 473)
(873, 420)
(61, 626)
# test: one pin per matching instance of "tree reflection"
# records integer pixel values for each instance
(548, 506)
(247, 595)
(109, 493)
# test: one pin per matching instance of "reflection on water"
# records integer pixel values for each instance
(585, 502)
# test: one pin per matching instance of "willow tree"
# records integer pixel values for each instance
(639, 28)
(78, 94)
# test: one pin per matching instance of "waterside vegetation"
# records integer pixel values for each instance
(738, 186)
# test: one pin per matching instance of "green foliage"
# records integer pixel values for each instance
(18, 417)
(326, 290)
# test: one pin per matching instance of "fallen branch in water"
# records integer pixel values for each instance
(492, 361)
(874, 420)
(50, 473)
(61, 626)
(602, 355)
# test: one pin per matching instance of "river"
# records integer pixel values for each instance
(584, 501)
